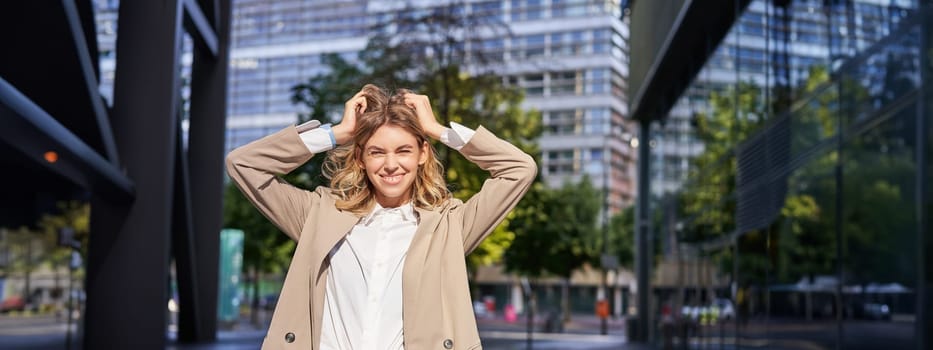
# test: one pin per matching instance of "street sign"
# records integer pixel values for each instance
(231, 265)
(609, 262)
(66, 238)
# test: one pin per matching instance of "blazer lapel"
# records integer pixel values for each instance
(414, 261)
(329, 231)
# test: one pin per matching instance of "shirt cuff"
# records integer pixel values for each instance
(318, 139)
(457, 136)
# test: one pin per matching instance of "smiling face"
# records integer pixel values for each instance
(391, 158)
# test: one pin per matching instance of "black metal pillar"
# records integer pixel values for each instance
(644, 251)
(183, 250)
(129, 248)
(924, 207)
(205, 159)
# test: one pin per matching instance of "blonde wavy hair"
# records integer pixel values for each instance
(343, 166)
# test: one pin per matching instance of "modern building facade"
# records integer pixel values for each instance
(755, 51)
(120, 153)
(815, 218)
(569, 57)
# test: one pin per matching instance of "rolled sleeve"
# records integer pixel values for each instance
(457, 136)
(318, 139)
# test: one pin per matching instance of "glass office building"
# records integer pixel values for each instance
(755, 47)
(570, 57)
(804, 217)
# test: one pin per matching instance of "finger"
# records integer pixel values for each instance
(414, 101)
(408, 100)
(356, 97)
(361, 104)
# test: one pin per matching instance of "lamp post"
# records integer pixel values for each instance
(66, 239)
(607, 172)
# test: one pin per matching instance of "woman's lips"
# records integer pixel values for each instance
(392, 180)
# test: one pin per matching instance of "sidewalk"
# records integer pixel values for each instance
(582, 333)
(579, 324)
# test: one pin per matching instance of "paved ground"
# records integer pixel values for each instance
(47, 332)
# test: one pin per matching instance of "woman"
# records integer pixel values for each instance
(380, 257)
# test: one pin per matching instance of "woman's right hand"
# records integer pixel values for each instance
(352, 109)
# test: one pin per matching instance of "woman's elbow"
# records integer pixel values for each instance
(231, 161)
(530, 168)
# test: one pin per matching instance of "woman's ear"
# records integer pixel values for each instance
(425, 148)
(359, 159)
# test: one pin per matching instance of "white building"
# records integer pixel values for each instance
(569, 56)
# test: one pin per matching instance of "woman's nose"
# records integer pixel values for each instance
(391, 163)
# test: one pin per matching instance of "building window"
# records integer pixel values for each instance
(601, 41)
(596, 121)
(563, 122)
(598, 81)
(595, 164)
(566, 83)
(561, 162)
(533, 84)
(489, 10)
(534, 46)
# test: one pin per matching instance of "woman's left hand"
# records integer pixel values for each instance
(422, 106)
(351, 111)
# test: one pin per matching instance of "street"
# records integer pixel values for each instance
(47, 332)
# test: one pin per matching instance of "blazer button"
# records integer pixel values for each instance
(289, 337)
(448, 344)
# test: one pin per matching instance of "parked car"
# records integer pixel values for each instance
(479, 308)
(726, 310)
(689, 312)
(867, 311)
(268, 301)
(720, 309)
(876, 311)
(14, 303)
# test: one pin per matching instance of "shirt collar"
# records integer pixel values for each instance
(406, 211)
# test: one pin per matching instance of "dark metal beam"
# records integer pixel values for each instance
(129, 250)
(663, 33)
(206, 135)
(33, 132)
(644, 253)
(183, 250)
(50, 59)
(199, 26)
(89, 72)
(923, 198)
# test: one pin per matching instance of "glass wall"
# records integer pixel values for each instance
(806, 196)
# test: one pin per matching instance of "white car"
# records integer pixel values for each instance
(725, 309)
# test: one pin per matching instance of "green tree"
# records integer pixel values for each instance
(736, 113)
(265, 248)
(72, 215)
(20, 250)
(709, 195)
(423, 52)
(622, 236)
(556, 232)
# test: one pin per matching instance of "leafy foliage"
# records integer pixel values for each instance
(877, 181)
(622, 236)
(265, 248)
(423, 54)
(556, 231)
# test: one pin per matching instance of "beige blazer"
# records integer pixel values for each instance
(437, 311)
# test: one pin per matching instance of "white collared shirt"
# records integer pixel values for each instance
(363, 298)
(363, 295)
